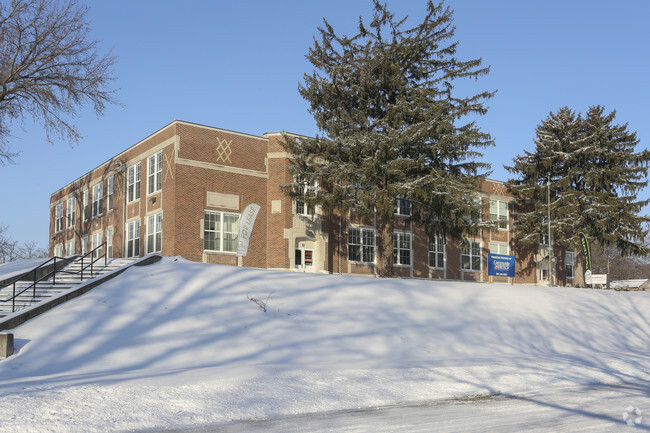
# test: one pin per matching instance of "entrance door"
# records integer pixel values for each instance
(304, 260)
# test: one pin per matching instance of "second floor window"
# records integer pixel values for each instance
(110, 193)
(402, 206)
(302, 208)
(58, 218)
(499, 212)
(133, 183)
(154, 173)
(98, 199)
(71, 212)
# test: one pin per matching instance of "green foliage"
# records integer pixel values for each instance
(392, 125)
(590, 167)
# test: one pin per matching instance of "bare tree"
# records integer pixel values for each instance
(31, 250)
(49, 68)
(8, 247)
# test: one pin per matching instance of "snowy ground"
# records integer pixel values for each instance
(14, 269)
(179, 344)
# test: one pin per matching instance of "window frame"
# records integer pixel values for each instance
(110, 193)
(109, 242)
(499, 246)
(220, 232)
(132, 244)
(58, 217)
(569, 264)
(98, 200)
(362, 245)
(402, 206)
(133, 182)
(70, 245)
(468, 250)
(437, 250)
(71, 212)
(503, 221)
(154, 236)
(398, 249)
(302, 208)
(154, 173)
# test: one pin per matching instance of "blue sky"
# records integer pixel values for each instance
(237, 65)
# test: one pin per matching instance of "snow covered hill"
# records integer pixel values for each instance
(180, 343)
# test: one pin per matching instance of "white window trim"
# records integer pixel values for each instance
(507, 253)
(151, 234)
(396, 260)
(71, 212)
(470, 255)
(137, 181)
(98, 200)
(156, 177)
(221, 238)
(58, 217)
(401, 203)
(109, 242)
(439, 240)
(362, 245)
(498, 213)
(110, 193)
(127, 227)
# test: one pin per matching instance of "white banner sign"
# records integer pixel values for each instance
(246, 228)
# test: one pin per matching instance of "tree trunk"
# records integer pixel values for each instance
(385, 225)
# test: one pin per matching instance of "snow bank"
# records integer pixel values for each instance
(180, 343)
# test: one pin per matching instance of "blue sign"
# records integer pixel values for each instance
(500, 265)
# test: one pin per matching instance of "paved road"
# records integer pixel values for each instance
(594, 409)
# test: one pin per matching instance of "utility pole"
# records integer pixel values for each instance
(550, 240)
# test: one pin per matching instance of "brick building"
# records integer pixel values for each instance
(181, 191)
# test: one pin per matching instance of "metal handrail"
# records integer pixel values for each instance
(53, 274)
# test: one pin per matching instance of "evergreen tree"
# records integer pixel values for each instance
(589, 168)
(393, 126)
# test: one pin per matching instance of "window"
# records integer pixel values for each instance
(437, 252)
(402, 248)
(133, 238)
(97, 241)
(109, 243)
(402, 206)
(58, 217)
(84, 245)
(86, 215)
(470, 256)
(110, 193)
(499, 212)
(58, 250)
(499, 248)
(543, 238)
(220, 231)
(154, 173)
(361, 245)
(69, 247)
(133, 183)
(154, 233)
(568, 264)
(303, 208)
(98, 199)
(71, 213)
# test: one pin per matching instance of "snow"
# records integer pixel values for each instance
(179, 343)
(14, 269)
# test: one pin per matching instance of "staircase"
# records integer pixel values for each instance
(69, 282)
